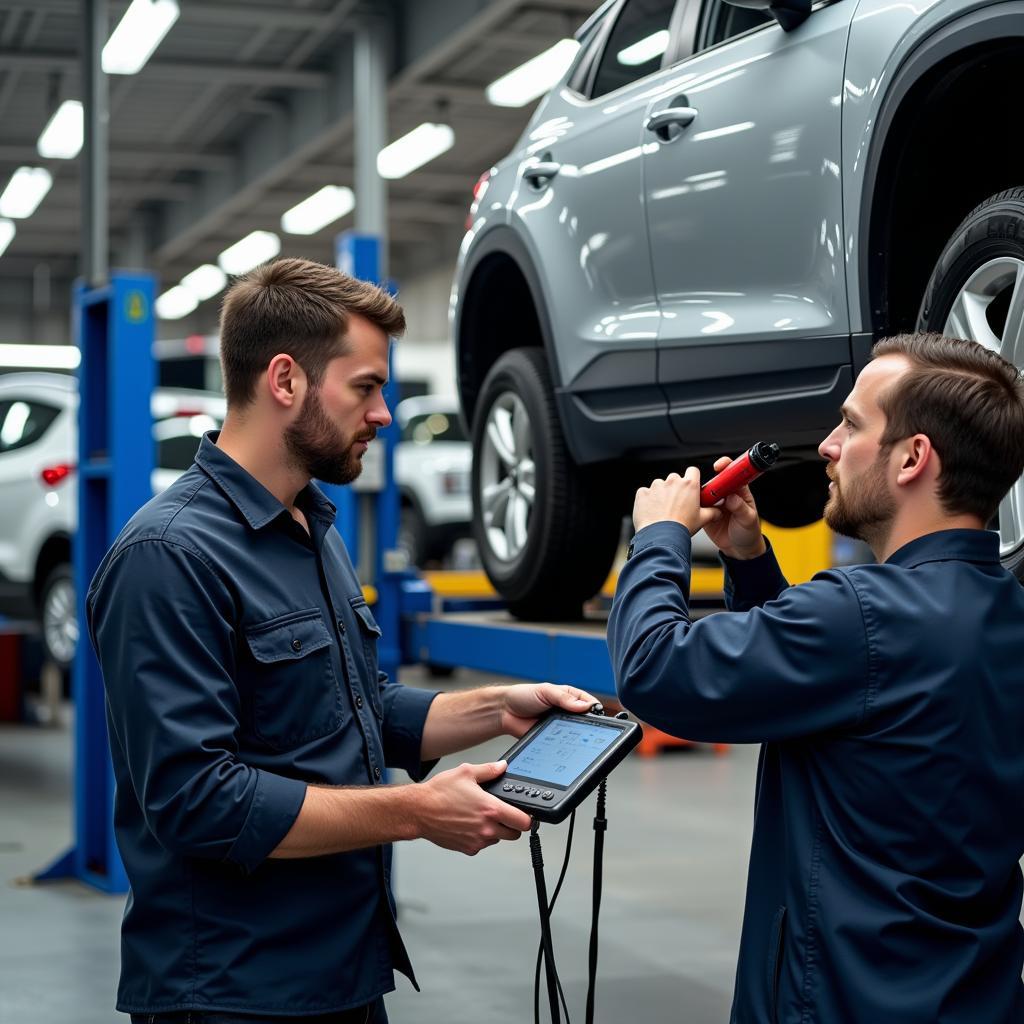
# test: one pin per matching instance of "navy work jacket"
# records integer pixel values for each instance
(240, 663)
(884, 882)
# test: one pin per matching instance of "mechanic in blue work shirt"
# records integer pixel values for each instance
(249, 725)
(884, 881)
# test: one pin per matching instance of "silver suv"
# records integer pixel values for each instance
(696, 240)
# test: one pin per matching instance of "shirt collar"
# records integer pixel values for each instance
(248, 495)
(948, 545)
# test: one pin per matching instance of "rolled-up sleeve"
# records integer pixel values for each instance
(167, 656)
(405, 713)
(792, 666)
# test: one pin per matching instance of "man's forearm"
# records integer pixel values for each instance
(459, 720)
(338, 820)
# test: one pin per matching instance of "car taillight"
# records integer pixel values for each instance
(455, 482)
(52, 475)
(478, 193)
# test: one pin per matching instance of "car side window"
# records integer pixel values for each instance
(636, 44)
(722, 21)
(22, 423)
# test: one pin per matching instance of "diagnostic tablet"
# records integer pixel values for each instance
(561, 760)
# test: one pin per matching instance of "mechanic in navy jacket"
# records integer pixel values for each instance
(884, 881)
(249, 725)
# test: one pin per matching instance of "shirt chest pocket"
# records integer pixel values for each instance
(295, 697)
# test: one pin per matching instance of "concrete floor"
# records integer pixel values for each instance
(675, 869)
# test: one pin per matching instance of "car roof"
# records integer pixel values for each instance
(64, 382)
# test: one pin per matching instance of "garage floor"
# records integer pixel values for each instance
(675, 865)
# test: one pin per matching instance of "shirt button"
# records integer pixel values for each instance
(341, 626)
(359, 702)
(296, 644)
(376, 773)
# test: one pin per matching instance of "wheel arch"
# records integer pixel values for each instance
(55, 550)
(503, 288)
(938, 85)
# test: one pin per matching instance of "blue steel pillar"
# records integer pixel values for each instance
(114, 329)
(358, 254)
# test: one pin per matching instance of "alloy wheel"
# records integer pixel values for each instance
(60, 621)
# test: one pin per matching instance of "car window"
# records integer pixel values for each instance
(23, 423)
(177, 452)
(433, 426)
(723, 20)
(636, 44)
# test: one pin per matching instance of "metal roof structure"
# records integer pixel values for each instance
(244, 110)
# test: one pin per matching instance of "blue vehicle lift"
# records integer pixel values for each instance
(114, 329)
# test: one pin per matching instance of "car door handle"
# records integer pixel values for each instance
(538, 174)
(663, 121)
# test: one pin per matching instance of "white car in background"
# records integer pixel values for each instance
(39, 490)
(433, 463)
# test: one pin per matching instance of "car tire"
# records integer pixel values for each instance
(58, 616)
(412, 534)
(968, 296)
(547, 530)
(793, 495)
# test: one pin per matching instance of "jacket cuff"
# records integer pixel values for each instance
(404, 718)
(664, 534)
(275, 806)
(753, 581)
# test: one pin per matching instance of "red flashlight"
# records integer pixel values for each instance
(749, 466)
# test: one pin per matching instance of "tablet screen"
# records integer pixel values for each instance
(562, 751)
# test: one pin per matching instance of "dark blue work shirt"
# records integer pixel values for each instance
(240, 663)
(884, 882)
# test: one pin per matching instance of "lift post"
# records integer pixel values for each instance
(114, 329)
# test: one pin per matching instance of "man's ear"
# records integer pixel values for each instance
(286, 381)
(916, 458)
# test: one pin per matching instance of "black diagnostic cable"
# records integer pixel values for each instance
(545, 922)
(540, 945)
(600, 827)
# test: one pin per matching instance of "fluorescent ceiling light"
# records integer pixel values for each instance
(646, 49)
(415, 149)
(25, 191)
(137, 35)
(257, 247)
(6, 234)
(175, 303)
(319, 210)
(536, 76)
(204, 282)
(40, 357)
(62, 137)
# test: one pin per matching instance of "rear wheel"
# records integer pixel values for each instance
(58, 616)
(976, 291)
(547, 530)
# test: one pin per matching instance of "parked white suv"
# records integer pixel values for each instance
(432, 470)
(39, 495)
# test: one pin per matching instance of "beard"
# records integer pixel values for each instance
(320, 448)
(866, 510)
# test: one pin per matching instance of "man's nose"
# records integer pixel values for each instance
(379, 415)
(829, 448)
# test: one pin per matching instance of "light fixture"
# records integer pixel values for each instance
(40, 357)
(257, 247)
(204, 282)
(319, 210)
(137, 35)
(536, 76)
(414, 149)
(25, 191)
(175, 303)
(61, 139)
(6, 234)
(645, 49)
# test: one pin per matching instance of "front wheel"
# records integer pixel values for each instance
(58, 616)
(976, 291)
(547, 530)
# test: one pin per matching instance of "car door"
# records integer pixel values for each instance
(579, 208)
(744, 211)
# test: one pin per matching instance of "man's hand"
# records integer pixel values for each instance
(522, 704)
(737, 533)
(453, 812)
(675, 499)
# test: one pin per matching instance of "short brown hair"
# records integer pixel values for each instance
(969, 402)
(298, 307)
